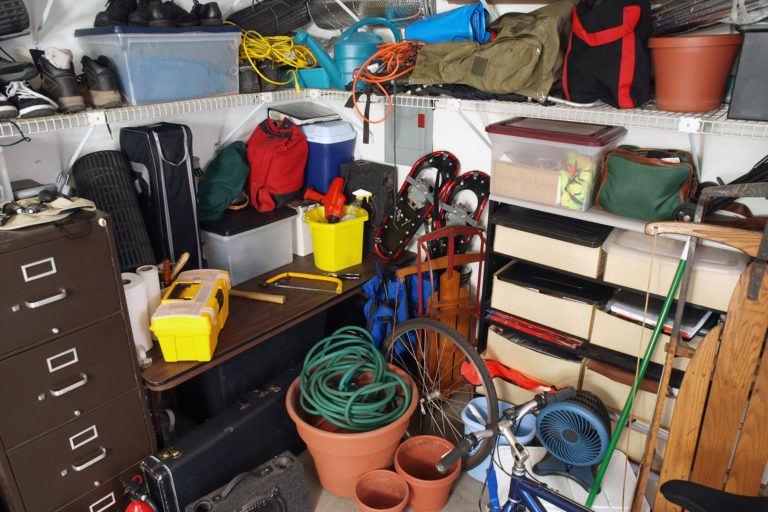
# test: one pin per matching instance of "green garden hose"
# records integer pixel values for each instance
(346, 381)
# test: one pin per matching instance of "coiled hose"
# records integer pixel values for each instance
(346, 381)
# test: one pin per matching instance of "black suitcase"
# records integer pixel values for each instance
(161, 157)
(381, 181)
(245, 435)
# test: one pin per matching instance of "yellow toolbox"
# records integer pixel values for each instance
(191, 314)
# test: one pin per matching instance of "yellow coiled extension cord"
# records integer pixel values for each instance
(280, 49)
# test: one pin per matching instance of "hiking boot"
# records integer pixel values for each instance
(29, 103)
(99, 83)
(7, 110)
(58, 78)
(140, 17)
(116, 13)
(208, 13)
(168, 14)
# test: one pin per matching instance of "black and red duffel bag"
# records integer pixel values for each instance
(608, 57)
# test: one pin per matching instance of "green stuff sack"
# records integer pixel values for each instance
(222, 182)
(646, 184)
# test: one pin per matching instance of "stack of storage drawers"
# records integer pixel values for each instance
(73, 413)
(562, 274)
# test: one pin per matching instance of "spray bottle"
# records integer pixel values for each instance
(361, 196)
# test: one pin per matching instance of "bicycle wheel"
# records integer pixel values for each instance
(433, 354)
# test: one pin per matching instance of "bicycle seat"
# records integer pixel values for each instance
(700, 498)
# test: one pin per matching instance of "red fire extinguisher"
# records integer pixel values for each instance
(141, 501)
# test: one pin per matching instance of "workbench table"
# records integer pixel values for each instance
(251, 323)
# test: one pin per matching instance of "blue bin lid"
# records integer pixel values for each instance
(100, 31)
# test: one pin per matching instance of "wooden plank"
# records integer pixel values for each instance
(752, 448)
(747, 242)
(737, 362)
(686, 420)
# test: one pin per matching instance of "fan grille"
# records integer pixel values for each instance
(575, 431)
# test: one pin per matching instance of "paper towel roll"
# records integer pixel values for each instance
(138, 309)
(151, 278)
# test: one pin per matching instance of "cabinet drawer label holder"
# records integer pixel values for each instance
(83, 438)
(68, 357)
(30, 272)
(103, 503)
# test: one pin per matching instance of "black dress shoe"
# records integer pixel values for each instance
(168, 14)
(208, 13)
(116, 13)
(140, 16)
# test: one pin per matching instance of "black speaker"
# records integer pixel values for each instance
(279, 485)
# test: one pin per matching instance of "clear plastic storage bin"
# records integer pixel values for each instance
(549, 162)
(168, 64)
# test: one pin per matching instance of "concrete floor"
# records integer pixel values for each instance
(464, 496)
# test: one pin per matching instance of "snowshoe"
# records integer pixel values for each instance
(426, 185)
(464, 203)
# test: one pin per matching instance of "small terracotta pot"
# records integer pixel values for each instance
(381, 490)
(415, 459)
(691, 71)
(341, 457)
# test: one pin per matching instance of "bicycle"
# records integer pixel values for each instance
(526, 493)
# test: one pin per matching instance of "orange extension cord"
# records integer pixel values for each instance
(396, 60)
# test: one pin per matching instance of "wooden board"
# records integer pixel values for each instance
(686, 420)
(737, 361)
(752, 448)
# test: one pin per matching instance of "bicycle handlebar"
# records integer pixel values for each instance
(469, 441)
(465, 446)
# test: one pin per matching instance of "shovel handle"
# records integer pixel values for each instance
(745, 241)
(264, 297)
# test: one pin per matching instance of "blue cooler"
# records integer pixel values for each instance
(330, 144)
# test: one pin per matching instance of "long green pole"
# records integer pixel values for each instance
(640, 375)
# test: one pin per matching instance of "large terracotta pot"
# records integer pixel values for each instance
(415, 459)
(342, 457)
(691, 71)
(381, 490)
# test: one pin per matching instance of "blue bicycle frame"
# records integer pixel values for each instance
(526, 493)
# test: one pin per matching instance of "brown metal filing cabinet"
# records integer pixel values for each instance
(73, 416)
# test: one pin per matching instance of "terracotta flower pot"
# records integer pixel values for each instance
(341, 457)
(415, 459)
(381, 490)
(691, 71)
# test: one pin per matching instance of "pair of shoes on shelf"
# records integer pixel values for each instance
(60, 88)
(157, 13)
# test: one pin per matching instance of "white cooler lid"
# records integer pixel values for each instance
(329, 132)
(709, 259)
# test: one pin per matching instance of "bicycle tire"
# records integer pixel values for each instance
(426, 394)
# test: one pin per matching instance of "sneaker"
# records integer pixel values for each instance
(7, 110)
(100, 83)
(116, 13)
(58, 78)
(11, 71)
(27, 102)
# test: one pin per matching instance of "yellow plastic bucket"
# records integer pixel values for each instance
(339, 245)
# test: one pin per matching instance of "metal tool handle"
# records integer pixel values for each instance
(85, 465)
(316, 277)
(49, 300)
(63, 391)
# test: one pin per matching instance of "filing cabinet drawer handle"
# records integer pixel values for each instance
(63, 391)
(44, 302)
(85, 465)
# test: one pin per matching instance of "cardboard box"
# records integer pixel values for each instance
(715, 273)
(579, 259)
(543, 367)
(623, 336)
(520, 181)
(563, 314)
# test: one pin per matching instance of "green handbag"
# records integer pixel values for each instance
(646, 184)
(222, 182)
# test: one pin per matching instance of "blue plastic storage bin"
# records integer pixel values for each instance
(330, 144)
(167, 64)
(524, 432)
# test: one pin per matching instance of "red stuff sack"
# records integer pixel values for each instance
(277, 155)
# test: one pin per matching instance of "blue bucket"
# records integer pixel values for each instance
(465, 23)
(525, 431)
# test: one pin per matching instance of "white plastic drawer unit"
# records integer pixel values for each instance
(715, 271)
